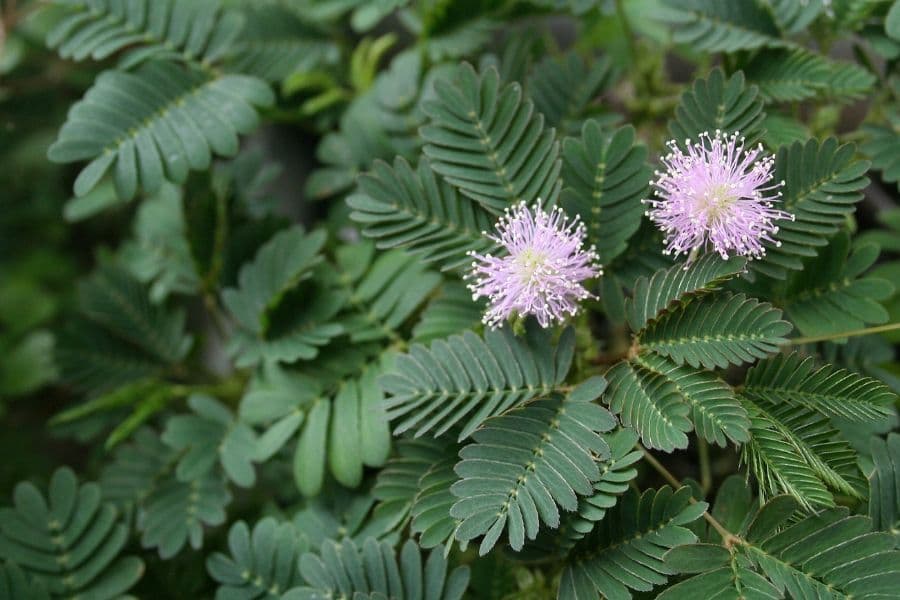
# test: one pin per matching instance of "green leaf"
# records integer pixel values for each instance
(463, 380)
(717, 103)
(212, 435)
(28, 365)
(795, 17)
(160, 253)
(827, 389)
(276, 42)
(892, 21)
(122, 336)
(156, 125)
(385, 297)
(606, 176)
(431, 517)
(283, 266)
(453, 311)
(115, 300)
(564, 88)
(616, 473)
(375, 571)
(717, 414)
(340, 424)
(193, 31)
(784, 131)
(527, 462)
(653, 295)
(716, 331)
(823, 182)
(177, 511)
(714, 26)
(14, 583)
(797, 451)
(625, 550)
(830, 295)
(825, 555)
(828, 555)
(696, 558)
(399, 207)
(734, 582)
(788, 75)
(882, 146)
(262, 564)
(650, 403)
(486, 140)
(884, 485)
(849, 82)
(137, 469)
(399, 482)
(70, 541)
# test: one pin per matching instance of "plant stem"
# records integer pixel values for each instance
(705, 471)
(626, 30)
(843, 334)
(728, 538)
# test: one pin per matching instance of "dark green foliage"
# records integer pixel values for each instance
(804, 559)
(606, 174)
(717, 103)
(650, 403)
(822, 186)
(715, 411)
(884, 490)
(526, 462)
(497, 373)
(616, 472)
(453, 310)
(625, 550)
(273, 365)
(485, 139)
(375, 570)
(883, 146)
(723, 26)
(70, 540)
(131, 337)
(428, 216)
(653, 295)
(283, 265)
(829, 390)
(275, 43)
(193, 31)
(830, 554)
(14, 583)
(564, 88)
(831, 295)
(261, 565)
(717, 331)
(211, 436)
(158, 124)
(177, 512)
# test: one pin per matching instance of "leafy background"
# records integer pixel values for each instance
(239, 360)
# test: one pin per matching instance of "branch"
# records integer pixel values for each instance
(728, 538)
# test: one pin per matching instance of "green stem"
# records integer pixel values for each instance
(705, 470)
(728, 538)
(844, 334)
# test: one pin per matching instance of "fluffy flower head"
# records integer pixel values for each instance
(716, 194)
(543, 270)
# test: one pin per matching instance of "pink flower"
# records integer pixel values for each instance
(543, 270)
(717, 194)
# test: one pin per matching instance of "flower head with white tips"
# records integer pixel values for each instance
(717, 194)
(543, 270)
